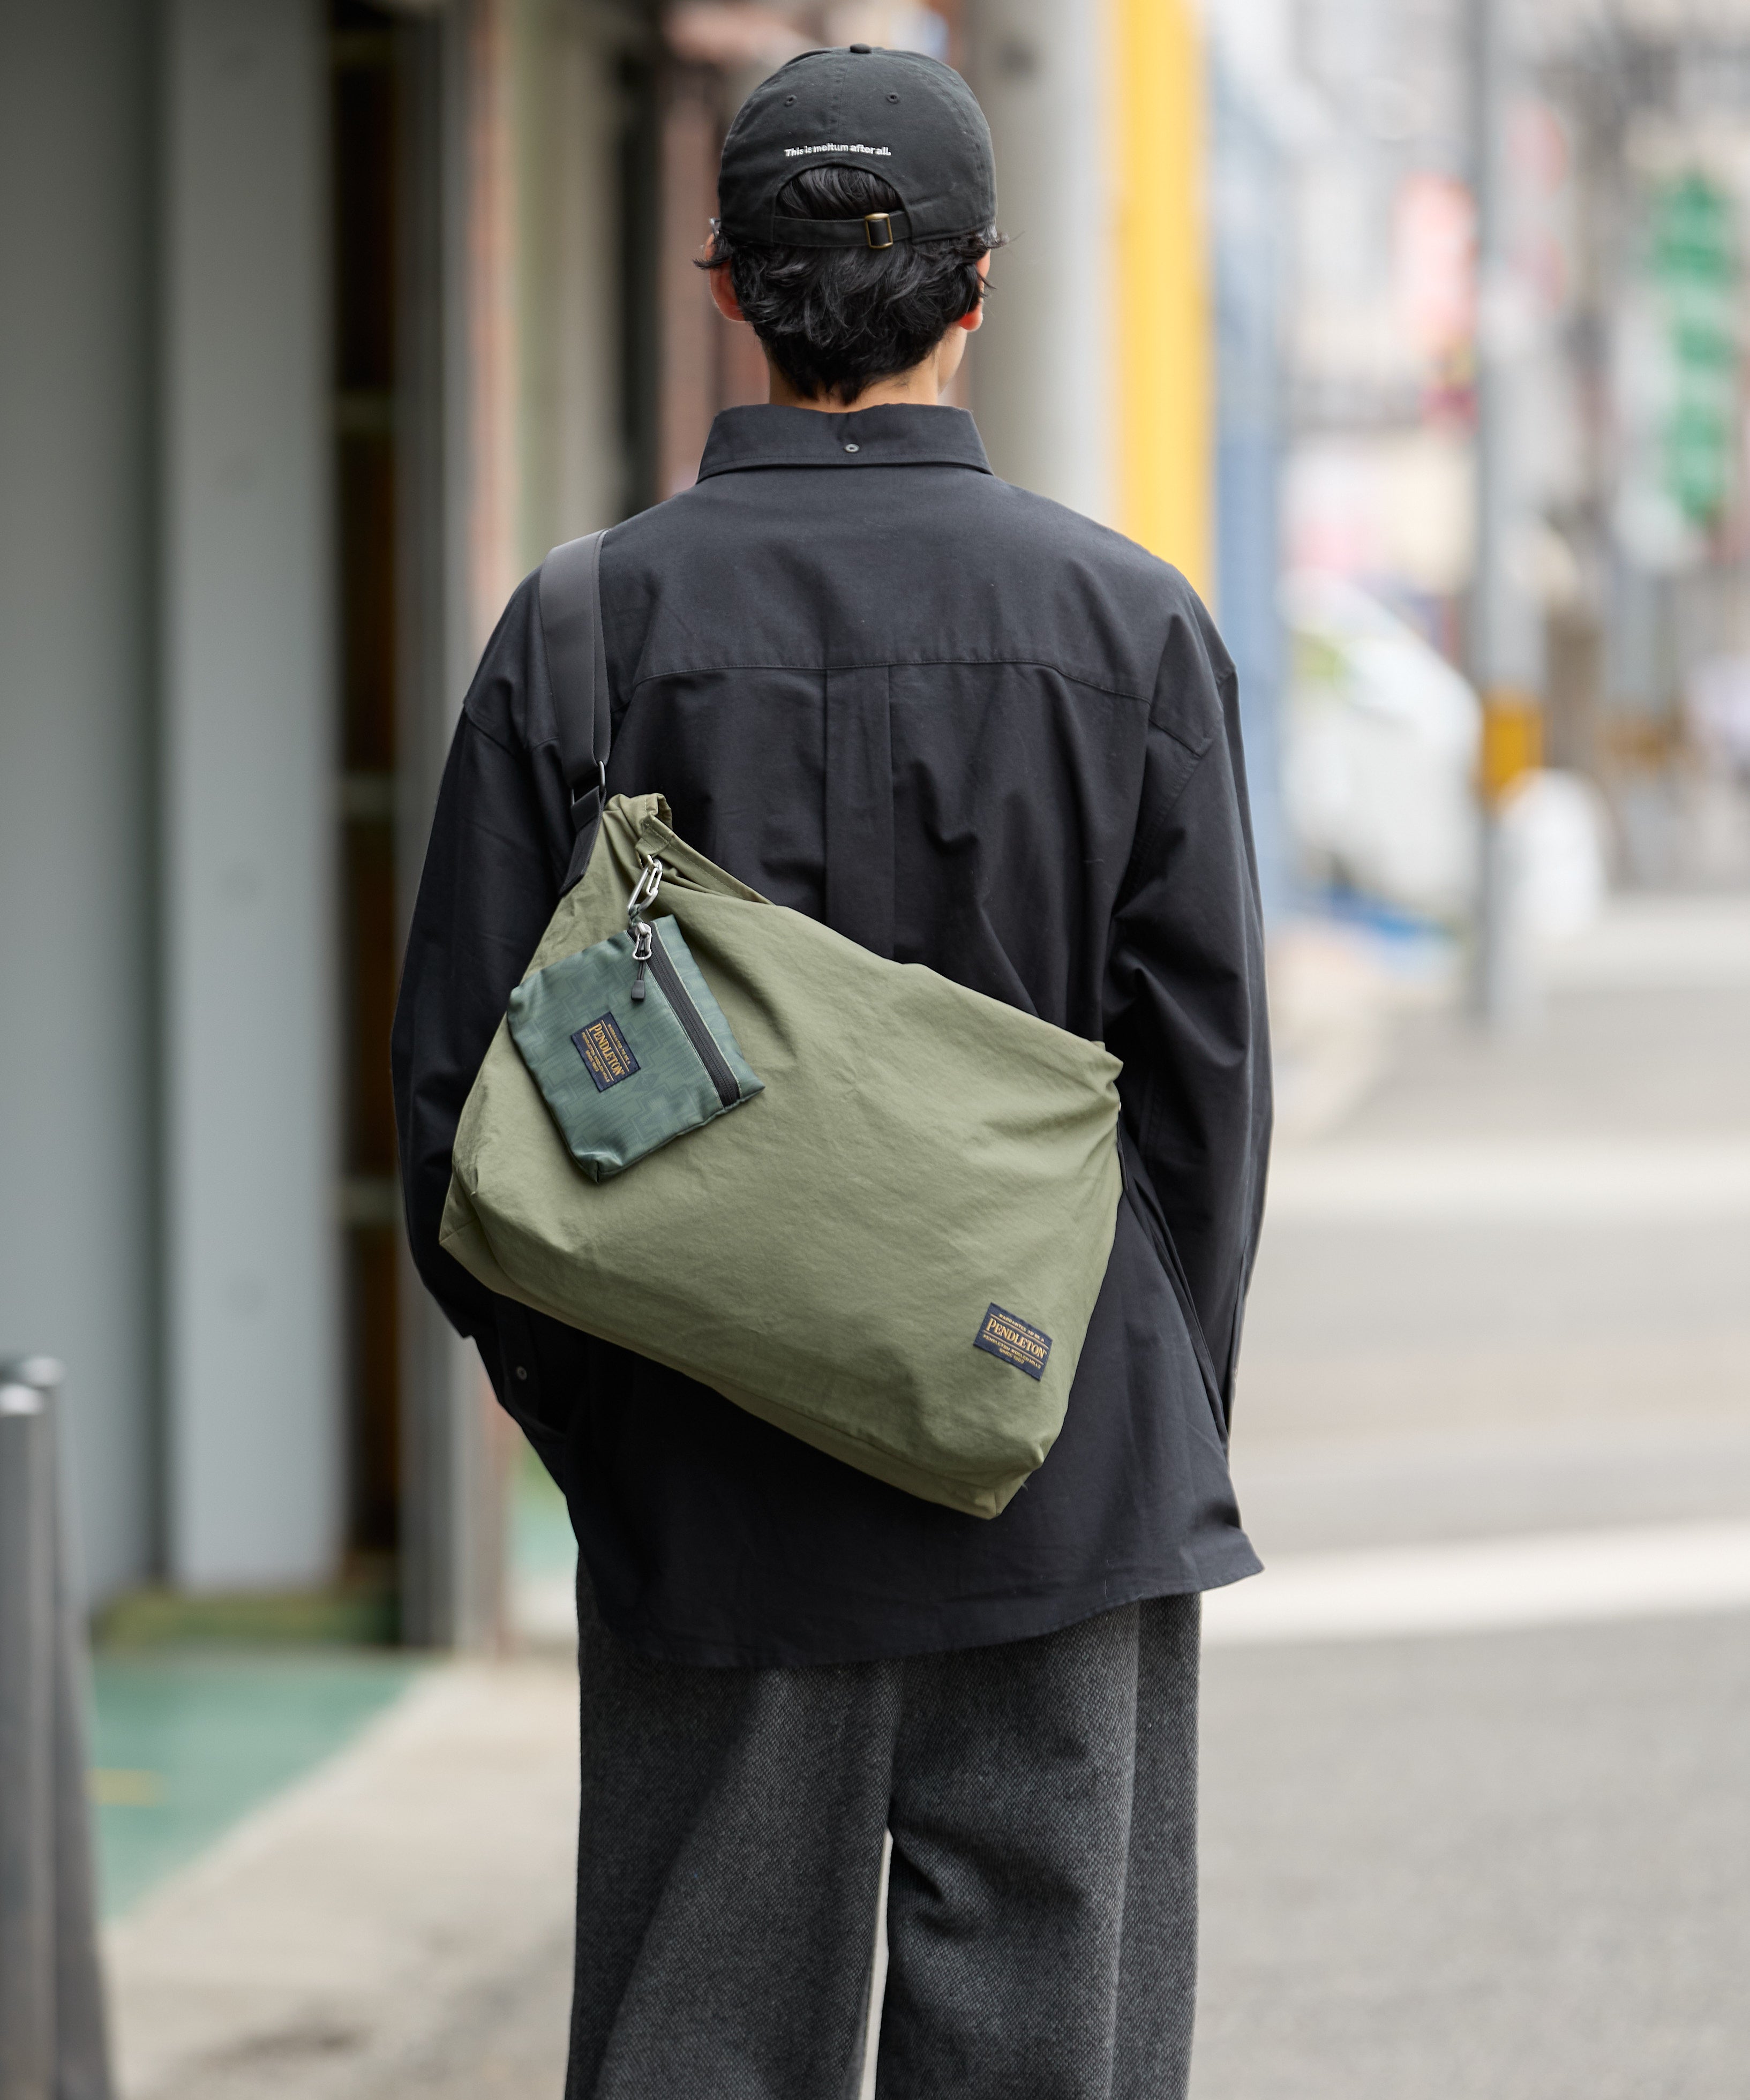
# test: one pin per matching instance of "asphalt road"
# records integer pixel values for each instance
(1514, 1863)
(1511, 1866)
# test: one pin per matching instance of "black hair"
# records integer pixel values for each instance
(834, 320)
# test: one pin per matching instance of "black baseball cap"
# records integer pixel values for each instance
(909, 119)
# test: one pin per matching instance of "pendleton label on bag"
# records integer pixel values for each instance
(1015, 1342)
(603, 1047)
(652, 1059)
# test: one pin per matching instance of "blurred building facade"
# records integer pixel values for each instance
(1612, 321)
(323, 320)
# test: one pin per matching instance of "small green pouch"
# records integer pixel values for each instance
(627, 1045)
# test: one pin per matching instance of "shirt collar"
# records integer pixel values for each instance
(901, 435)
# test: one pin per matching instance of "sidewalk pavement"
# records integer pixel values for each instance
(397, 1924)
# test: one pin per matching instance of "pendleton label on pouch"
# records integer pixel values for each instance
(1015, 1342)
(606, 1052)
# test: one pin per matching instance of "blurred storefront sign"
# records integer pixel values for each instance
(1678, 383)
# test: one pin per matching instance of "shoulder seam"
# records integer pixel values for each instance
(1195, 745)
(498, 744)
(1191, 741)
(1196, 756)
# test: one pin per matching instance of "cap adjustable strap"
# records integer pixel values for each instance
(877, 229)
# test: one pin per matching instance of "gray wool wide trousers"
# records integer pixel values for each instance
(1041, 1912)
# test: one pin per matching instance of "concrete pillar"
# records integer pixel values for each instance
(458, 503)
(248, 758)
(1040, 365)
(574, 472)
(77, 1042)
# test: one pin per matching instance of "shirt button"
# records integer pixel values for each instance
(522, 1370)
(851, 448)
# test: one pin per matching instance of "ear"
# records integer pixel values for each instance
(723, 292)
(975, 319)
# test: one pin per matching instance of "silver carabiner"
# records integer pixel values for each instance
(644, 895)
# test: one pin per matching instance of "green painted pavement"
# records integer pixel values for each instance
(184, 1745)
(186, 1740)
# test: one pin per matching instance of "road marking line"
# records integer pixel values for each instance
(1555, 1578)
(1533, 1180)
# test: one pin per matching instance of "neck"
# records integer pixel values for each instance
(921, 387)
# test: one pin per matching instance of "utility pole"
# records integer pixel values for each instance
(1505, 641)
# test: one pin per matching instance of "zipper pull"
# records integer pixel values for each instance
(641, 938)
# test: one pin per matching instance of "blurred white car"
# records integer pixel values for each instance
(1381, 738)
(1380, 765)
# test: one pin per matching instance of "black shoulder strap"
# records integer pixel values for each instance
(571, 625)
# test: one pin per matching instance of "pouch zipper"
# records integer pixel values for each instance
(663, 970)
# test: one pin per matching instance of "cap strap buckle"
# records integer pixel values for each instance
(886, 228)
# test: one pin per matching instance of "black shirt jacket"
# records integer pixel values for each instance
(967, 728)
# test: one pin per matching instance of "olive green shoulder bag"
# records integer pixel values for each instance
(865, 1204)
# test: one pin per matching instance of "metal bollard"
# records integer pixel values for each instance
(53, 2040)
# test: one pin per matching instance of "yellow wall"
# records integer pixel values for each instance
(1164, 425)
